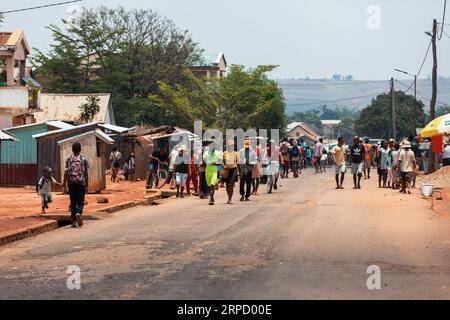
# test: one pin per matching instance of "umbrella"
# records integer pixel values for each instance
(438, 126)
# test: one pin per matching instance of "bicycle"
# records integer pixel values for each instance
(159, 179)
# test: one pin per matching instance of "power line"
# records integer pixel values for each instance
(40, 7)
(338, 100)
(421, 67)
(423, 96)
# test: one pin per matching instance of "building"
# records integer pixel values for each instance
(48, 151)
(211, 66)
(300, 130)
(18, 157)
(19, 93)
(330, 128)
(93, 145)
(66, 107)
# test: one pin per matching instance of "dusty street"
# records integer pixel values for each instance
(305, 241)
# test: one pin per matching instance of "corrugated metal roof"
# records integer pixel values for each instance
(210, 59)
(98, 133)
(56, 124)
(37, 136)
(66, 107)
(5, 137)
(30, 79)
(59, 124)
(114, 128)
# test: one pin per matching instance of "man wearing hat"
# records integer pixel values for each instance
(247, 159)
(407, 163)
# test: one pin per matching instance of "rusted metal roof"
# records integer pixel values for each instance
(66, 107)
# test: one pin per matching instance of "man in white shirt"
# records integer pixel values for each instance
(407, 162)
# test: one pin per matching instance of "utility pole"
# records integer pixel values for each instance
(415, 106)
(393, 116)
(434, 92)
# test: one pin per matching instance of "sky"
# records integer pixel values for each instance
(315, 38)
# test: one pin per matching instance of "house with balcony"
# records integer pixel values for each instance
(19, 92)
(210, 66)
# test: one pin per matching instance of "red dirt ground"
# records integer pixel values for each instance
(19, 205)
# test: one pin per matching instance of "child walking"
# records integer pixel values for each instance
(44, 188)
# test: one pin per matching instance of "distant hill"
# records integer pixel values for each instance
(302, 95)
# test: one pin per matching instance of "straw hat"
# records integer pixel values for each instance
(406, 144)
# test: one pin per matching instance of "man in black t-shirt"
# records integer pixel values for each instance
(357, 161)
(182, 162)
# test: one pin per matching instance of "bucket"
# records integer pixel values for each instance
(427, 189)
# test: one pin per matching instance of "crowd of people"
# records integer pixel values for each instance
(395, 162)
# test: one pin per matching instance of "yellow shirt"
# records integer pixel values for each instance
(230, 159)
(339, 155)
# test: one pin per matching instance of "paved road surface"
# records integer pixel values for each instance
(305, 241)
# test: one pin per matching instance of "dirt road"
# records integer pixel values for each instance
(305, 241)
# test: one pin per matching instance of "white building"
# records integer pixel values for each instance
(19, 93)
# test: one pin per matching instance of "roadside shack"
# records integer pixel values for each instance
(93, 144)
(48, 150)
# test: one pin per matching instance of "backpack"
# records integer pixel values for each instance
(116, 161)
(40, 183)
(76, 169)
(294, 151)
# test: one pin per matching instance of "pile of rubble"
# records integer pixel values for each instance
(440, 178)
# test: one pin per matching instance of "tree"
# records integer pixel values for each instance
(1, 19)
(349, 77)
(375, 120)
(90, 108)
(337, 77)
(245, 99)
(125, 52)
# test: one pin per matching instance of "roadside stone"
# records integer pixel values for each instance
(102, 200)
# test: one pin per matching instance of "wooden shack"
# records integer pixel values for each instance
(48, 151)
(93, 149)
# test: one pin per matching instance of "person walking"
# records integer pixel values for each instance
(247, 159)
(171, 176)
(284, 149)
(407, 162)
(229, 171)
(44, 188)
(181, 169)
(193, 176)
(368, 156)
(211, 158)
(115, 158)
(318, 151)
(76, 180)
(357, 162)
(131, 165)
(382, 164)
(339, 162)
(296, 153)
